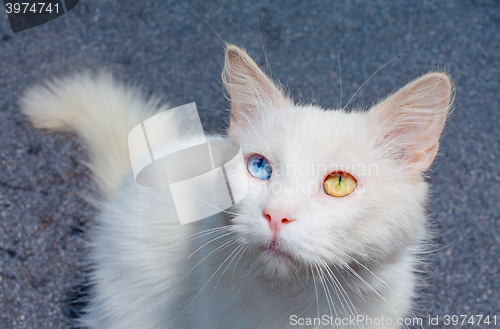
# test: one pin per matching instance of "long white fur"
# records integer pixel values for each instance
(101, 110)
(349, 256)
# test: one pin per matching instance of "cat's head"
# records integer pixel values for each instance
(328, 187)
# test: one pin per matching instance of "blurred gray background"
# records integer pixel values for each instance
(172, 49)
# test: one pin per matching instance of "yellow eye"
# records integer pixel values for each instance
(339, 184)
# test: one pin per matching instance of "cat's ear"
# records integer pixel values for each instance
(409, 123)
(249, 89)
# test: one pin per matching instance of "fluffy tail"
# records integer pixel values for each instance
(101, 111)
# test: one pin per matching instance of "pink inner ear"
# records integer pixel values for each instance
(410, 122)
(249, 88)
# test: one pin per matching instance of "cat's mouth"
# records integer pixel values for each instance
(277, 261)
(275, 249)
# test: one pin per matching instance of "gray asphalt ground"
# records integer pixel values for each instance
(171, 49)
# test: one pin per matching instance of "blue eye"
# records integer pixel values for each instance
(259, 167)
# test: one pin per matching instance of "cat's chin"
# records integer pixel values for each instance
(277, 264)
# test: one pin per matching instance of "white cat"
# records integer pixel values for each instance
(327, 236)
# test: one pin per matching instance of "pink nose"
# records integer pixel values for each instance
(277, 218)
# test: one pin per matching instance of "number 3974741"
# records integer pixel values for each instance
(31, 8)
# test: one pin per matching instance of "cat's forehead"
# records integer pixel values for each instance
(301, 133)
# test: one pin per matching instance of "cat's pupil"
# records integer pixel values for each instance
(340, 179)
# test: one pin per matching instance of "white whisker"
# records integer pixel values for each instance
(370, 286)
(184, 240)
(328, 297)
(225, 245)
(316, 290)
(232, 276)
(350, 99)
(239, 248)
(341, 293)
(214, 239)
